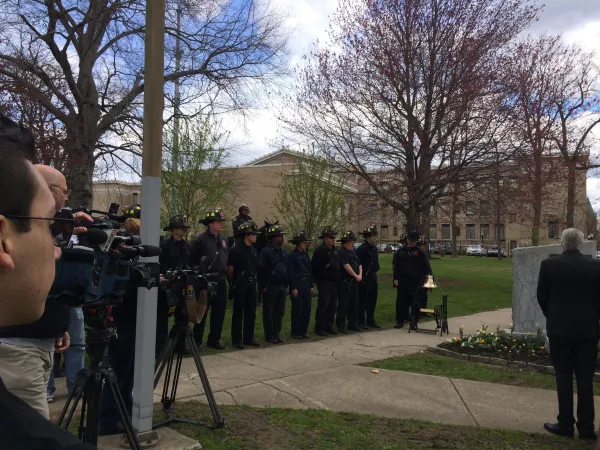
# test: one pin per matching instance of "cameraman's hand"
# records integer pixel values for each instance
(62, 343)
(79, 216)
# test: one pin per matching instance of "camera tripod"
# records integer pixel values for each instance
(174, 348)
(88, 389)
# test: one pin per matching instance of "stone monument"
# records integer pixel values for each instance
(526, 313)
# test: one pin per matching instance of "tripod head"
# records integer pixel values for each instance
(99, 320)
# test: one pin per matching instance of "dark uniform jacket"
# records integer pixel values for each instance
(348, 257)
(369, 259)
(174, 254)
(239, 219)
(298, 267)
(272, 266)
(410, 265)
(568, 292)
(244, 259)
(326, 263)
(210, 253)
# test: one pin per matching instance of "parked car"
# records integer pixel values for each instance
(493, 251)
(597, 255)
(475, 250)
(385, 248)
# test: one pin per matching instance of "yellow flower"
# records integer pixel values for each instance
(542, 347)
(514, 340)
(511, 324)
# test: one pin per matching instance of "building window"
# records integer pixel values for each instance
(470, 231)
(485, 231)
(432, 232)
(553, 229)
(372, 210)
(395, 231)
(135, 198)
(500, 231)
(446, 231)
(513, 218)
(470, 208)
(484, 207)
(456, 208)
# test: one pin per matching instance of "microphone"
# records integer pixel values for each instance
(145, 251)
(94, 237)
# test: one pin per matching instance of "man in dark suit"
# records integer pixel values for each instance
(569, 295)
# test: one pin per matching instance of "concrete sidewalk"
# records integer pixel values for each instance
(325, 374)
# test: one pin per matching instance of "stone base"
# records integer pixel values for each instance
(167, 440)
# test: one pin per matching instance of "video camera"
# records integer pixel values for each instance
(181, 286)
(101, 266)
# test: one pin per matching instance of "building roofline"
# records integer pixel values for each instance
(283, 151)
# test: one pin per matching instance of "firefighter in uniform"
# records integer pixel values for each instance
(242, 271)
(301, 285)
(241, 218)
(209, 252)
(326, 270)
(175, 254)
(351, 271)
(410, 270)
(273, 282)
(368, 287)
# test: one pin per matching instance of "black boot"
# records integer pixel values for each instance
(559, 430)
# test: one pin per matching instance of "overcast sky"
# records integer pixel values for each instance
(577, 20)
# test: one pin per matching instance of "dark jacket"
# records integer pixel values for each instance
(53, 323)
(244, 259)
(326, 263)
(351, 258)
(369, 259)
(569, 295)
(174, 254)
(272, 266)
(410, 265)
(298, 268)
(210, 252)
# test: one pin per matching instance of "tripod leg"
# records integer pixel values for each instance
(93, 391)
(219, 422)
(111, 383)
(180, 352)
(165, 357)
(70, 407)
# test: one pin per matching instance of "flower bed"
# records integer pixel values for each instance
(500, 348)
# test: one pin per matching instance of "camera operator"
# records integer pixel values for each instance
(27, 265)
(121, 354)
(26, 351)
(175, 253)
(209, 251)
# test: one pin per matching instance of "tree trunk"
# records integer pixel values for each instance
(571, 188)
(412, 218)
(80, 171)
(537, 200)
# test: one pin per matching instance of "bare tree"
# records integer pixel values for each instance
(89, 56)
(397, 80)
(311, 195)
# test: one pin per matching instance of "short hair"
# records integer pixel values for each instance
(17, 185)
(132, 225)
(571, 239)
(16, 137)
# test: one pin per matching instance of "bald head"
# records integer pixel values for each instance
(57, 183)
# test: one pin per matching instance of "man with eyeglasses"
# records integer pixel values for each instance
(27, 262)
(27, 351)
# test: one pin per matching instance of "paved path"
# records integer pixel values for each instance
(326, 374)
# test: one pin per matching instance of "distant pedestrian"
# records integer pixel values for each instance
(327, 272)
(273, 282)
(368, 287)
(348, 288)
(301, 285)
(569, 295)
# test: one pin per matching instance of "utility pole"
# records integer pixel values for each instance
(145, 337)
(177, 111)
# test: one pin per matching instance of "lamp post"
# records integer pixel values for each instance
(145, 337)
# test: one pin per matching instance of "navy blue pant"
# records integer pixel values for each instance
(347, 304)
(368, 291)
(217, 306)
(273, 310)
(326, 305)
(301, 306)
(404, 297)
(121, 357)
(244, 312)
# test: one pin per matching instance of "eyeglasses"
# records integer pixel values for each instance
(66, 192)
(60, 228)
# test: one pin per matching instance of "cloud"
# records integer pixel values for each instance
(559, 16)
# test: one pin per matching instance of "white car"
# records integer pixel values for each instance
(474, 250)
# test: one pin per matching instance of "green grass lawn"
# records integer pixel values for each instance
(269, 428)
(444, 366)
(472, 284)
